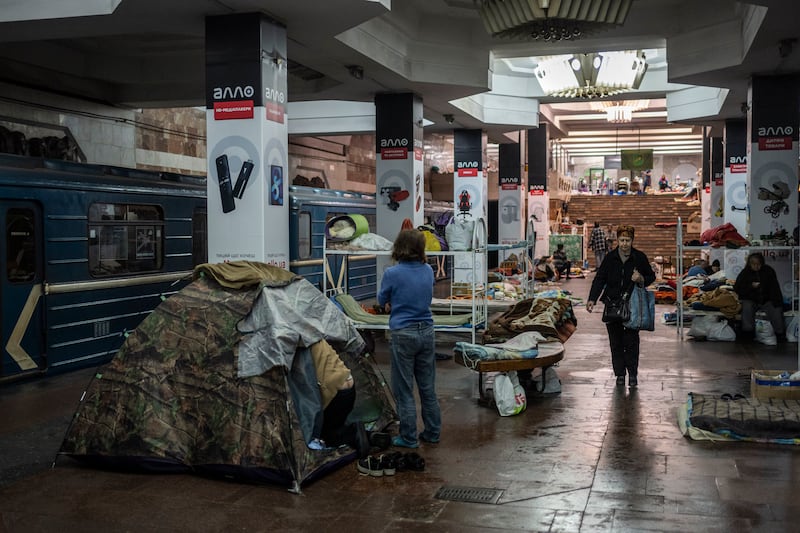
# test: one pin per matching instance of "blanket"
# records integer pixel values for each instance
(353, 310)
(745, 419)
(554, 318)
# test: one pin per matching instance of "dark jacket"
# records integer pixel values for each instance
(614, 277)
(768, 291)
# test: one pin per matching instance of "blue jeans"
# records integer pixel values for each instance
(414, 358)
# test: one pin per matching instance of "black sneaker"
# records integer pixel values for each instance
(370, 466)
(633, 381)
(620, 381)
(388, 464)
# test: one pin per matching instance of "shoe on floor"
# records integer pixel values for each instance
(633, 381)
(388, 464)
(413, 461)
(370, 466)
(620, 381)
(403, 443)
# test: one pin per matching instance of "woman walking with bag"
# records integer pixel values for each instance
(620, 270)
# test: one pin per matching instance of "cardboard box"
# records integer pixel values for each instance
(764, 385)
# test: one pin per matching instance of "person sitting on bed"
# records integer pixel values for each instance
(543, 270)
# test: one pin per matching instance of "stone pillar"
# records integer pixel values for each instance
(538, 197)
(248, 211)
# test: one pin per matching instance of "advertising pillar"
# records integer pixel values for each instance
(398, 167)
(470, 196)
(735, 141)
(399, 176)
(717, 206)
(538, 197)
(248, 208)
(511, 198)
(773, 121)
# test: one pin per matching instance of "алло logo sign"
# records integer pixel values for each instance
(775, 137)
(737, 164)
(274, 101)
(394, 148)
(241, 108)
(467, 169)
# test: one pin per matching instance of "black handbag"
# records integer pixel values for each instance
(617, 309)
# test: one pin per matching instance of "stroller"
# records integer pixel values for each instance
(776, 197)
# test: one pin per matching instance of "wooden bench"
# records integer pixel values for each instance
(506, 365)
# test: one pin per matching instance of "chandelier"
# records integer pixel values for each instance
(550, 20)
(620, 111)
(594, 75)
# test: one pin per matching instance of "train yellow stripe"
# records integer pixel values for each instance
(14, 345)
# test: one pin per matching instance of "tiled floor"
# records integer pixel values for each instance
(593, 458)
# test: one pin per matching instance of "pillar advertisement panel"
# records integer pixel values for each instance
(735, 160)
(248, 208)
(470, 196)
(772, 163)
(510, 201)
(538, 215)
(717, 204)
(399, 174)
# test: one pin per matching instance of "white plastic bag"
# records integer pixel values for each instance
(793, 329)
(720, 330)
(764, 332)
(509, 396)
(459, 234)
(552, 383)
(700, 325)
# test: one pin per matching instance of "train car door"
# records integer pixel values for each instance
(21, 288)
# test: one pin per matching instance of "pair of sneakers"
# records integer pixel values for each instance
(377, 465)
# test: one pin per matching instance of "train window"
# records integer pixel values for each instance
(199, 237)
(304, 235)
(125, 239)
(20, 245)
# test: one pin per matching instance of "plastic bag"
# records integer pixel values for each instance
(552, 383)
(459, 234)
(509, 396)
(642, 309)
(720, 330)
(764, 332)
(701, 325)
(793, 329)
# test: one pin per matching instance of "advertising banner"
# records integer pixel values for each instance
(539, 215)
(470, 197)
(772, 162)
(399, 178)
(735, 175)
(248, 211)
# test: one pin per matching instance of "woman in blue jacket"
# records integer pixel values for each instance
(621, 268)
(407, 291)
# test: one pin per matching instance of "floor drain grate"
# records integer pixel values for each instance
(469, 494)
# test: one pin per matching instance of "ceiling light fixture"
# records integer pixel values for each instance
(594, 75)
(619, 112)
(550, 20)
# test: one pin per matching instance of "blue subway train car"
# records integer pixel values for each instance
(310, 211)
(88, 251)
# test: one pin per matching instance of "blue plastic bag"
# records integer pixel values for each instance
(643, 310)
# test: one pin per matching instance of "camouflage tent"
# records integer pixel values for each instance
(175, 397)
